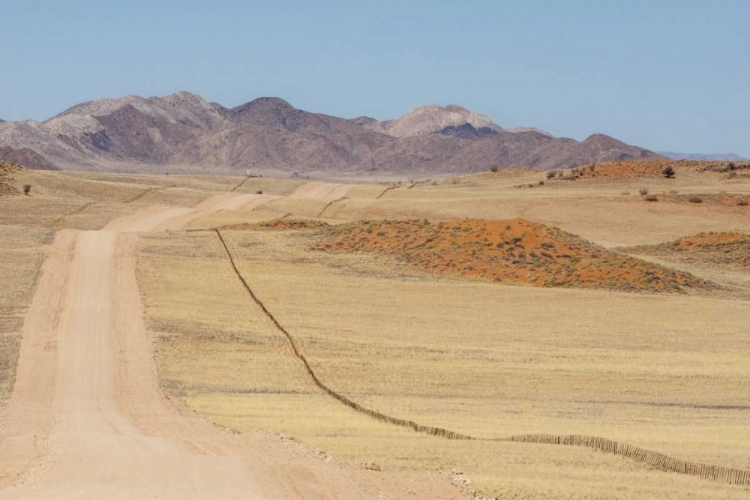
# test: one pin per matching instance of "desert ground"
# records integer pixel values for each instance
(513, 334)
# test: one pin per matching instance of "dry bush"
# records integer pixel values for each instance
(694, 198)
(643, 191)
(651, 197)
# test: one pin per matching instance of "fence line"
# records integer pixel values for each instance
(654, 459)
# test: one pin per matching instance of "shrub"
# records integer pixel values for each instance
(551, 174)
(259, 192)
(651, 197)
(494, 170)
(732, 175)
(732, 166)
(26, 189)
(668, 172)
(695, 199)
(643, 191)
(742, 203)
(625, 193)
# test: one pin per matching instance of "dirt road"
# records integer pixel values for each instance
(321, 191)
(87, 419)
(173, 219)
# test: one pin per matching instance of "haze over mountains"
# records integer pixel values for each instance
(183, 132)
(697, 156)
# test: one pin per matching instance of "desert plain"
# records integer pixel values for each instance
(464, 336)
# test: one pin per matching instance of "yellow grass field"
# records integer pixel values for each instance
(667, 372)
(487, 360)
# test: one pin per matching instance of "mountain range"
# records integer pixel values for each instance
(184, 132)
(706, 157)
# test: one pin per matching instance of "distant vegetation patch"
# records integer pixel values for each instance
(507, 251)
(731, 249)
(714, 199)
(644, 168)
(277, 225)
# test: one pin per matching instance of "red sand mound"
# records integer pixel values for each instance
(510, 251)
(720, 249)
(640, 169)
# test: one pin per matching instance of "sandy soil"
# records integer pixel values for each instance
(87, 419)
(321, 190)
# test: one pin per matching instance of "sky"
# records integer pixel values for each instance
(662, 74)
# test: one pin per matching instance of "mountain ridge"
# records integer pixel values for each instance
(184, 131)
(699, 156)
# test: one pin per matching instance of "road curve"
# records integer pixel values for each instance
(87, 419)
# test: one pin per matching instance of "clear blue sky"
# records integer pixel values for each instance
(664, 74)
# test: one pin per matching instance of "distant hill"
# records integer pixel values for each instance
(707, 157)
(183, 131)
(26, 157)
(434, 119)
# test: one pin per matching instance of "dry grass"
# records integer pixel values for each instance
(230, 218)
(89, 201)
(594, 210)
(495, 361)
(278, 187)
(7, 185)
(281, 224)
(665, 372)
(716, 249)
(22, 253)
